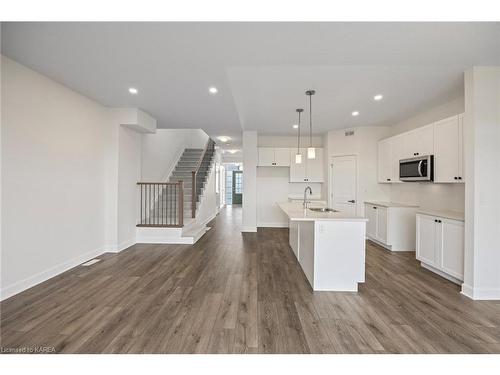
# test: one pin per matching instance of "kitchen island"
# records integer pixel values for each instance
(330, 246)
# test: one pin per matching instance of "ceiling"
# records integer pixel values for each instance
(260, 69)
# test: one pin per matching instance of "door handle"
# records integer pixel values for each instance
(420, 168)
(352, 201)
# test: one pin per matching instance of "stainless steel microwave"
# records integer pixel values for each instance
(420, 168)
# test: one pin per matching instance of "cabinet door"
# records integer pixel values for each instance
(397, 153)
(282, 157)
(314, 167)
(266, 156)
(294, 237)
(306, 249)
(452, 247)
(419, 142)
(461, 170)
(425, 140)
(382, 224)
(297, 171)
(426, 239)
(447, 141)
(371, 225)
(384, 160)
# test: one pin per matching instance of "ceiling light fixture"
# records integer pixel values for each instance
(295, 126)
(133, 90)
(298, 155)
(311, 151)
(378, 97)
(223, 138)
(213, 90)
(232, 151)
(355, 113)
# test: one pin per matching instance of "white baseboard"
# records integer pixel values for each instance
(166, 240)
(480, 293)
(272, 225)
(444, 275)
(249, 229)
(122, 245)
(40, 277)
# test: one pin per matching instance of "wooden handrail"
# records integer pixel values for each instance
(194, 174)
(200, 160)
(159, 183)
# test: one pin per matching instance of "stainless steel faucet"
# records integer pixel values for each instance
(305, 195)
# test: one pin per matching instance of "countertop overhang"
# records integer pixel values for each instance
(296, 212)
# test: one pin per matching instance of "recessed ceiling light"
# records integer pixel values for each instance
(355, 113)
(213, 90)
(378, 97)
(295, 126)
(133, 90)
(223, 138)
(232, 151)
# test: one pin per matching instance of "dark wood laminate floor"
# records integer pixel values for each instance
(234, 293)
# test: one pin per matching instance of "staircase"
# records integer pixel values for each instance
(169, 210)
(189, 162)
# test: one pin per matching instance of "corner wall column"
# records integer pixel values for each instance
(250, 156)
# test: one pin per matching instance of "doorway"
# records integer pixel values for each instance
(343, 183)
(233, 192)
(237, 187)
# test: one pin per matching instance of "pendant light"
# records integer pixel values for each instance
(311, 151)
(298, 155)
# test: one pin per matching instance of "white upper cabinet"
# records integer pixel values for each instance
(314, 167)
(397, 153)
(310, 170)
(443, 139)
(448, 156)
(390, 151)
(419, 142)
(282, 157)
(385, 160)
(274, 157)
(298, 171)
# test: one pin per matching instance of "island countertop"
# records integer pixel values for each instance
(296, 212)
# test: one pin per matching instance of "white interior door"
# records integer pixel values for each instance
(343, 184)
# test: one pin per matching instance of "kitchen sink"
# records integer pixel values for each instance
(322, 209)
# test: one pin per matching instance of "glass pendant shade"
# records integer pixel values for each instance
(298, 158)
(311, 153)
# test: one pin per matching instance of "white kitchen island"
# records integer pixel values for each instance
(330, 246)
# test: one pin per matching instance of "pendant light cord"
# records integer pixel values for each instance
(298, 137)
(310, 121)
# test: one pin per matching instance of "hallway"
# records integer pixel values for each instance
(245, 293)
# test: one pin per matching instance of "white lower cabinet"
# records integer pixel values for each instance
(440, 245)
(294, 237)
(391, 226)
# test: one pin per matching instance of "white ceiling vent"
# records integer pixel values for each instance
(348, 133)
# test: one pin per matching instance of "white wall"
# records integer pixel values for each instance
(442, 111)
(363, 144)
(482, 183)
(129, 173)
(209, 205)
(430, 195)
(54, 150)
(161, 150)
(249, 205)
